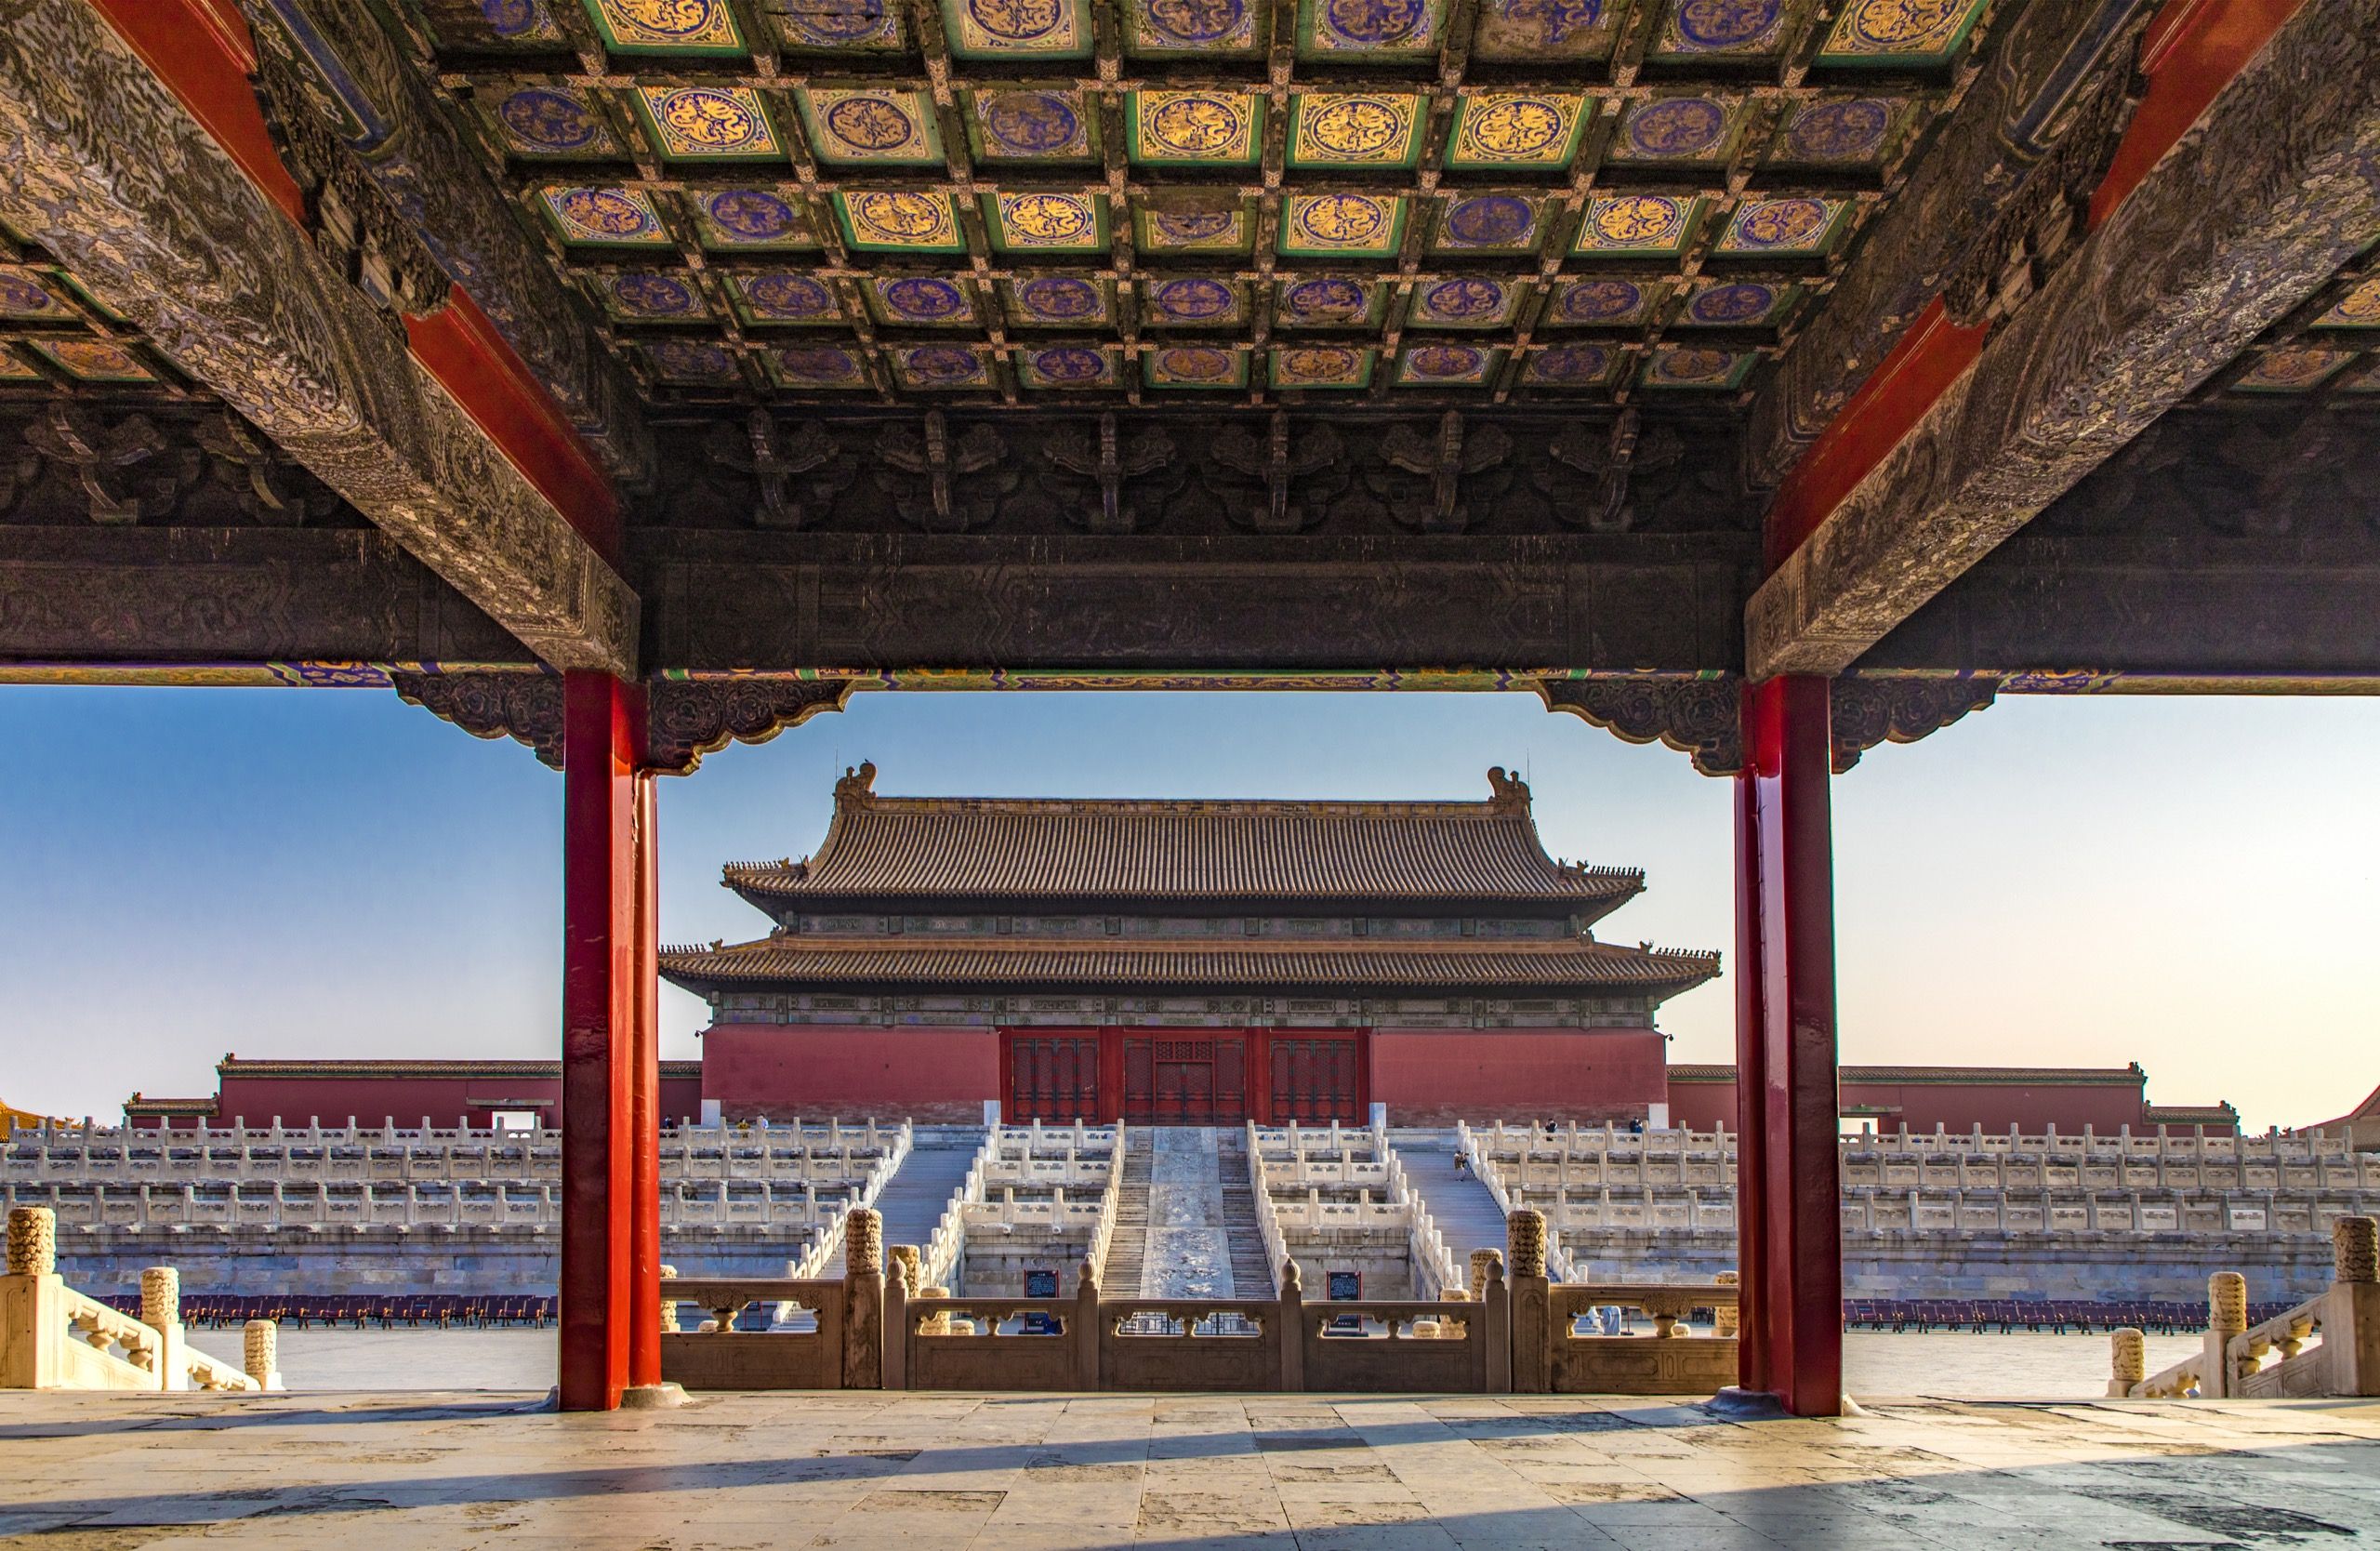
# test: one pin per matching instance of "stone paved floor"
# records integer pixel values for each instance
(1294, 1473)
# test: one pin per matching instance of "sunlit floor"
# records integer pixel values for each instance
(920, 1472)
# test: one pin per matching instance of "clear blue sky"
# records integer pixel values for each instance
(2193, 884)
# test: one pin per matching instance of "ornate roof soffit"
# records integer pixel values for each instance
(1700, 716)
(684, 719)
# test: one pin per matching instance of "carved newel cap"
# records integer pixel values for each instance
(161, 1296)
(260, 1352)
(1481, 1261)
(862, 1241)
(909, 1267)
(33, 1241)
(2227, 1302)
(1524, 1230)
(2128, 1353)
(2355, 1249)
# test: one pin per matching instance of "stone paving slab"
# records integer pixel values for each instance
(923, 1472)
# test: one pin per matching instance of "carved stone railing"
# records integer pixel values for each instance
(1480, 1150)
(2231, 1361)
(831, 1243)
(941, 1253)
(52, 1337)
(1672, 1359)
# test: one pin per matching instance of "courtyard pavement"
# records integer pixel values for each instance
(924, 1472)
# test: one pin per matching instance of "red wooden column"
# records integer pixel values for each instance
(1788, 1197)
(602, 927)
(644, 1088)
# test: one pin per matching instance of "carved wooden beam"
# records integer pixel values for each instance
(118, 179)
(90, 594)
(2255, 209)
(377, 104)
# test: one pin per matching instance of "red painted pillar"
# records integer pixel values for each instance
(645, 1087)
(600, 926)
(1751, 1086)
(1796, 1249)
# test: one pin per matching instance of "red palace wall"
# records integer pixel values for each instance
(403, 1101)
(780, 1071)
(1438, 1076)
(2032, 1108)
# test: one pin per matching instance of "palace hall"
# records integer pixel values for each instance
(1773, 381)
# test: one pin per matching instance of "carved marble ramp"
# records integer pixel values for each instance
(919, 1193)
(1189, 1249)
(1466, 1214)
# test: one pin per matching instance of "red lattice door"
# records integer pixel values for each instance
(1053, 1078)
(1317, 1079)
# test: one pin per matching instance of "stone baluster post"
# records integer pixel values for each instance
(863, 1299)
(1086, 1328)
(669, 1305)
(33, 1298)
(2128, 1361)
(2227, 1315)
(161, 1310)
(1726, 1319)
(2351, 1308)
(1291, 1316)
(1533, 1332)
(260, 1352)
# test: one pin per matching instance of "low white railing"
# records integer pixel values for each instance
(53, 1337)
(829, 1246)
(1268, 1222)
(1478, 1153)
(1435, 1267)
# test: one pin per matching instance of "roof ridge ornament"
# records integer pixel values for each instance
(857, 784)
(1509, 793)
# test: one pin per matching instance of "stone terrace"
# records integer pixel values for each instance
(1302, 1473)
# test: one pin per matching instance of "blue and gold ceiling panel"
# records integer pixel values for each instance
(1531, 32)
(1193, 301)
(786, 296)
(1359, 131)
(1604, 301)
(1329, 301)
(1206, 366)
(804, 366)
(692, 362)
(2358, 309)
(1517, 131)
(1059, 301)
(481, 25)
(1182, 225)
(922, 300)
(839, 26)
(673, 27)
(1489, 224)
(899, 220)
(1066, 366)
(1687, 129)
(1839, 131)
(1017, 28)
(1211, 29)
(2292, 369)
(1342, 225)
(1698, 367)
(1569, 365)
(25, 297)
(862, 125)
(1464, 301)
(1700, 30)
(758, 218)
(943, 369)
(1045, 220)
(650, 296)
(549, 122)
(594, 217)
(709, 123)
(1799, 225)
(1031, 124)
(1899, 34)
(1354, 31)
(1447, 366)
(1196, 128)
(1737, 304)
(1329, 366)
(92, 360)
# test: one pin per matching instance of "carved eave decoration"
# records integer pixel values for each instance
(1700, 716)
(684, 718)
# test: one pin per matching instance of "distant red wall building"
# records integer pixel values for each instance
(446, 1093)
(2032, 1099)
